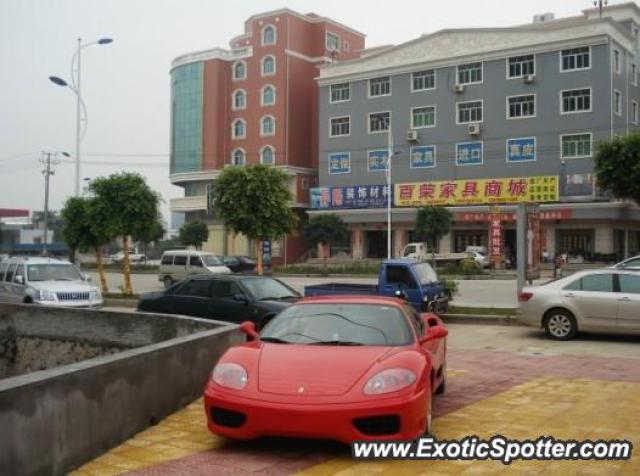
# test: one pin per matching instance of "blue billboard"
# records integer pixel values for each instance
(377, 160)
(521, 149)
(357, 196)
(319, 198)
(423, 157)
(340, 163)
(469, 153)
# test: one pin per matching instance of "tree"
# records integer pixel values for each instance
(128, 206)
(194, 234)
(618, 167)
(432, 223)
(85, 229)
(325, 229)
(255, 201)
(153, 234)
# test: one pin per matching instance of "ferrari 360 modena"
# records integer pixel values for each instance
(347, 368)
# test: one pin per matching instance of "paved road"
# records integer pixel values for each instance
(480, 293)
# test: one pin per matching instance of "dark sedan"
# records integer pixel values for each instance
(239, 264)
(233, 298)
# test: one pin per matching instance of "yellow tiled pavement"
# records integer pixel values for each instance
(563, 408)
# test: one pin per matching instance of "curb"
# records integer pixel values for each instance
(481, 319)
(117, 302)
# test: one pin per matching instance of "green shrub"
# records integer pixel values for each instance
(468, 267)
(450, 287)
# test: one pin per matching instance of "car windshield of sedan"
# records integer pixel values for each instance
(264, 289)
(210, 260)
(53, 272)
(339, 324)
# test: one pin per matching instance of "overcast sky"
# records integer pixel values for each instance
(125, 85)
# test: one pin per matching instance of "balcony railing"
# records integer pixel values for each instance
(188, 204)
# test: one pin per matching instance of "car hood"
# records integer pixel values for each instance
(290, 369)
(219, 269)
(63, 286)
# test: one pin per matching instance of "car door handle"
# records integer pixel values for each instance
(624, 299)
(569, 295)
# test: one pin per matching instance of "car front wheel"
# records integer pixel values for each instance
(560, 324)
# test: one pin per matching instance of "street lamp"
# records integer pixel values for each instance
(75, 87)
(390, 154)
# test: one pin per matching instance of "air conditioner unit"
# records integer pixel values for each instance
(528, 78)
(474, 129)
(459, 88)
(412, 136)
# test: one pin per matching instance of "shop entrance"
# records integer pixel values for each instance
(376, 243)
(464, 238)
(510, 248)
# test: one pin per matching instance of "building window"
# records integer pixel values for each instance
(238, 157)
(267, 126)
(634, 112)
(423, 117)
(269, 35)
(267, 155)
(340, 92)
(470, 73)
(239, 70)
(380, 87)
(617, 102)
(239, 99)
(239, 129)
(617, 66)
(422, 80)
(575, 59)
(379, 122)
(576, 100)
(268, 66)
(268, 96)
(340, 126)
(332, 42)
(576, 145)
(519, 66)
(521, 106)
(469, 112)
(634, 74)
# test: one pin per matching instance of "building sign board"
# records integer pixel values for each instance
(357, 196)
(377, 160)
(477, 191)
(469, 153)
(521, 149)
(340, 163)
(423, 156)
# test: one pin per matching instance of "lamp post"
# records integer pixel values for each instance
(80, 106)
(390, 154)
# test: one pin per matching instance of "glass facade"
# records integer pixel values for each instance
(186, 118)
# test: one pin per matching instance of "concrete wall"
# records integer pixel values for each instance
(55, 420)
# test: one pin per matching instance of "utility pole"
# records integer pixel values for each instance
(600, 4)
(47, 162)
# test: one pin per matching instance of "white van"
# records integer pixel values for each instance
(178, 264)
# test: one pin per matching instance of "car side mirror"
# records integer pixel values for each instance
(86, 277)
(249, 328)
(240, 298)
(400, 294)
(20, 279)
(433, 333)
(430, 320)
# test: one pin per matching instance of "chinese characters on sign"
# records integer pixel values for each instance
(377, 160)
(481, 191)
(495, 238)
(469, 153)
(423, 156)
(340, 163)
(521, 150)
(319, 198)
(358, 196)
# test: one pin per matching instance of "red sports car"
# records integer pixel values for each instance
(340, 367)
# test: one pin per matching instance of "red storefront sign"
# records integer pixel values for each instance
(546, 215)
(495, 234)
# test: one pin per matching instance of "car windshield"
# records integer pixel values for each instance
(268, 288)
(53, 272)
(425, 273)
(339, 324)
(409, 249)
(210, 260)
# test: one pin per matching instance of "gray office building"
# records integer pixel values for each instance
(479, 118)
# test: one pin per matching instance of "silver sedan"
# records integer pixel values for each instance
(606, 300)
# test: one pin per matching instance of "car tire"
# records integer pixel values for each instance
(168, 282)
(559, 324)
(428, 424)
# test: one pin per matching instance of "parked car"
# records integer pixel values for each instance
(416, 281)
(630, 264)
(605, 300)
(239, 264)
(46, 281)
(230, 297)
(480, 258)
(178, 264)
(134, 258)
(344, 367)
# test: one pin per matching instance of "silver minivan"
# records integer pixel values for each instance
(178, 264)
(46, 281)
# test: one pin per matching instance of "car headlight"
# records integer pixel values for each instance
(95, 295)
(389, 380)
(47, 295)
(425, 299)
(230, 375)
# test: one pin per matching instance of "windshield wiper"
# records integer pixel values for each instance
(275, 340)
(335, 342)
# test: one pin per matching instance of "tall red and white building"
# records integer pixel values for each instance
(253, 103)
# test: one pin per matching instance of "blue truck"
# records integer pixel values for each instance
(415, 281)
